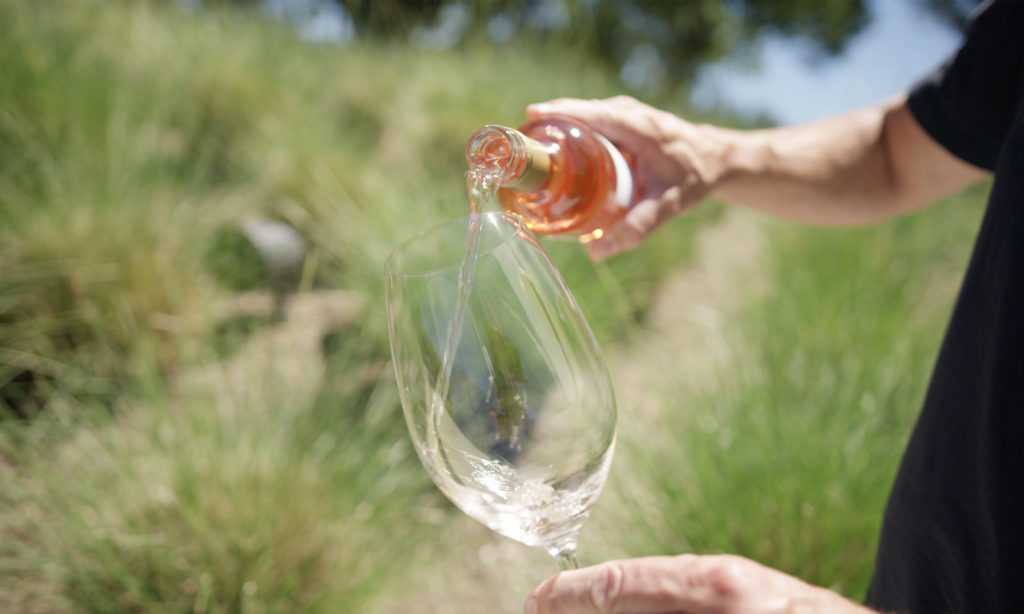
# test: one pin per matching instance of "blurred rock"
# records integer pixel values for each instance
(282, 250)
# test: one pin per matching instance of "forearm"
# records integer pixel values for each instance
(857, 168)
(830, 172)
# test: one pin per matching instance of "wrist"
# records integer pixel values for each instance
(732, 155)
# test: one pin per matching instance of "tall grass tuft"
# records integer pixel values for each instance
(200, 508)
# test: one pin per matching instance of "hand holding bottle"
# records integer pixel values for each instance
(675, 163)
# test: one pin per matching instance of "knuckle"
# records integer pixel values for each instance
(607, 587)
(726, 576)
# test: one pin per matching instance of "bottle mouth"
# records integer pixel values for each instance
(497, 153)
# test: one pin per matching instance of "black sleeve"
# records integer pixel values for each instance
(969, 103)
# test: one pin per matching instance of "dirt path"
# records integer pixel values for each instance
(685, 340)
(471, 570)
(282, 364)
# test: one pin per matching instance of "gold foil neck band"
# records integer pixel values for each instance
(538, 167)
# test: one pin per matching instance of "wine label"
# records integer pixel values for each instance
(623, 174)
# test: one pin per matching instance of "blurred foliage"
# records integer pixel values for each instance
(827, 25)
(232, 259)
(393, 17)
(674, 37)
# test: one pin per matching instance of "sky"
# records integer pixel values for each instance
(901, 44)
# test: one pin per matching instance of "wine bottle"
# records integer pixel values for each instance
(560, 175)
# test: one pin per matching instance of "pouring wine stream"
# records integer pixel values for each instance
(546, 504)
(486, 169)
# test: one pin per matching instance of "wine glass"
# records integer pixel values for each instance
(516, 425)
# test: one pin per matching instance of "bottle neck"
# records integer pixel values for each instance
(509, 157)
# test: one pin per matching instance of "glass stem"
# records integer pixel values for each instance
(567, 559)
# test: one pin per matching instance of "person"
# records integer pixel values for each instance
(952, 537)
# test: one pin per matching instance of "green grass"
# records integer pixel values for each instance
(197, 508)
(787, 452)
(134, 137)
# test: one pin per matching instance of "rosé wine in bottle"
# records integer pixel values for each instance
(561, 176)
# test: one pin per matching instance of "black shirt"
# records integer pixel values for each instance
(953, 534)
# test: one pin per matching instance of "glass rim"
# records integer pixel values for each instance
(517, 226)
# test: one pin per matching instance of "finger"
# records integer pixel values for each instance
(641, 220)
(576, 107)
(651, 585)
(623, 236)
(607, 116)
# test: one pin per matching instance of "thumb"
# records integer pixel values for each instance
(629, 232)
(582, 591)
(639, 586)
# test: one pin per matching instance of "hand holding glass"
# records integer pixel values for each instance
(521, 434)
